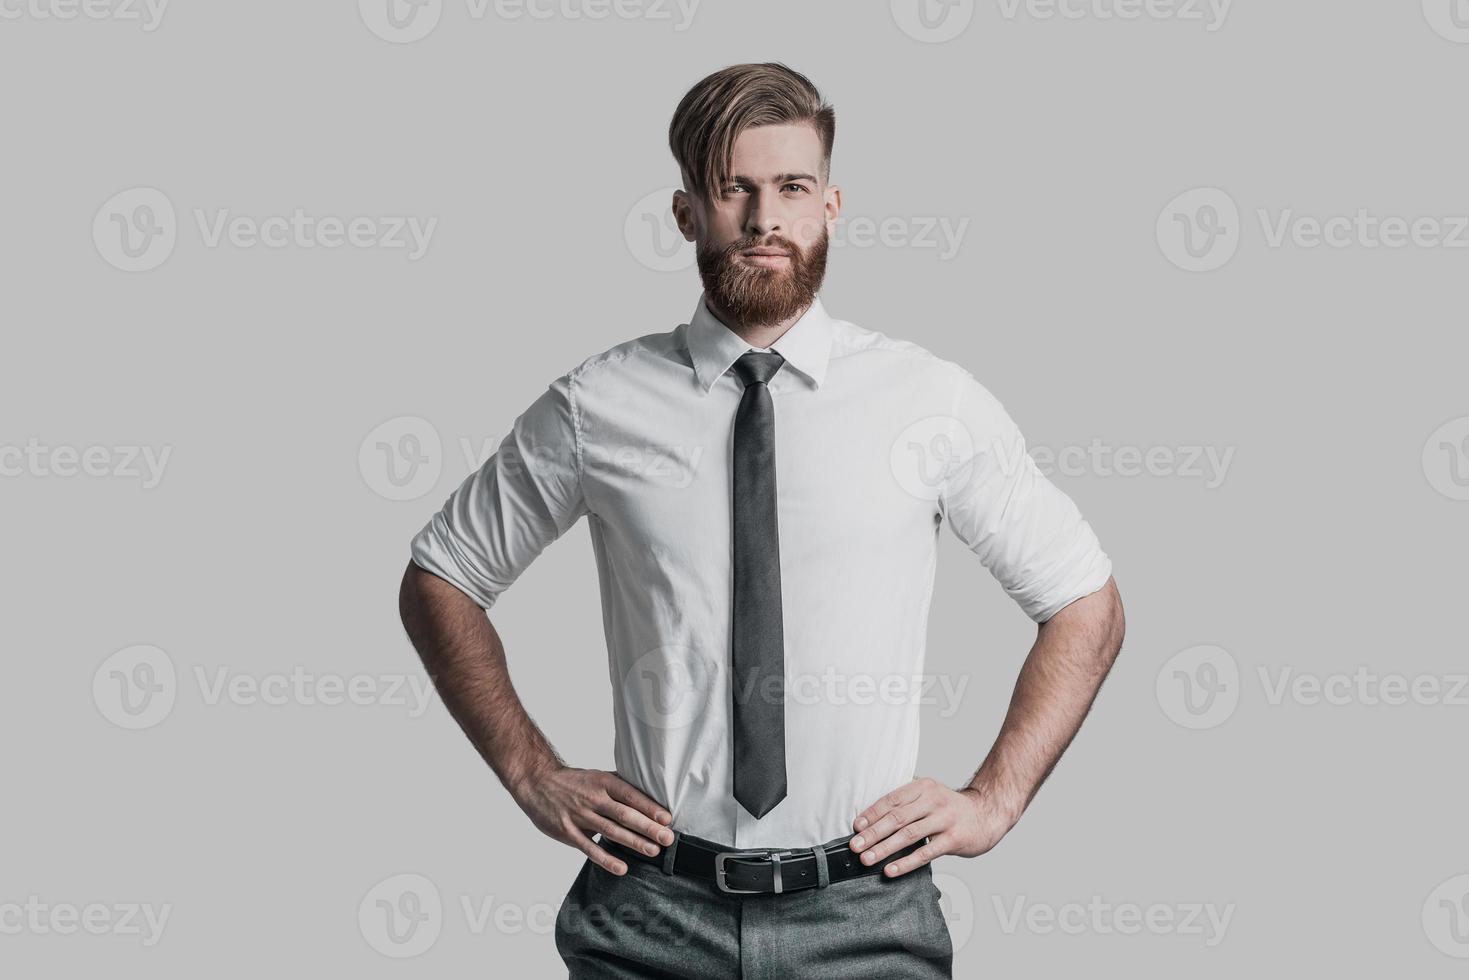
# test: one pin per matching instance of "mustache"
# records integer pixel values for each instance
(746, 245)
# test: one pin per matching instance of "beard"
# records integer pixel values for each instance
(760, 296)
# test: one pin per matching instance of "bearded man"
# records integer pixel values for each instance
(788, 534)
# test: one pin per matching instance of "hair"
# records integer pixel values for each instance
(714, 112)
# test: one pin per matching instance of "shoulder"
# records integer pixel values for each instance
(894, 353)
(629, 355)
(610, 368)
(937, 384)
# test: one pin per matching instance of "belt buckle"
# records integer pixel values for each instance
(723, 856)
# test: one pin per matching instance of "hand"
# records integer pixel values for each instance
(965, 822)
(570, 805)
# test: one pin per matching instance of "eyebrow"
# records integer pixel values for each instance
(777, 179)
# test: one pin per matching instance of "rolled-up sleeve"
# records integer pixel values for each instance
(1025, 529)
(504, 514)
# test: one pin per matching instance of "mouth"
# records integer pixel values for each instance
(766, 256)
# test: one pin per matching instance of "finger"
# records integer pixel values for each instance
(902, 837)
(598, 856)
(892, 822)
(626, 816)
(899, 796)
(624, 836)
(937, 846)
(624, 792)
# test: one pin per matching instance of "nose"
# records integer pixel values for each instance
(763, 218)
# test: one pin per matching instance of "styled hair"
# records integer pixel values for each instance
(721, 106)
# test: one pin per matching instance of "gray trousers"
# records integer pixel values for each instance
(648, 924)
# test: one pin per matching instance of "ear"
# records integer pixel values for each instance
(686, 213)
(832, 204)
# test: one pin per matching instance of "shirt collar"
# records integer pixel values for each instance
(806, 345)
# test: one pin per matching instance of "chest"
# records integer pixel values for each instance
(660, 473)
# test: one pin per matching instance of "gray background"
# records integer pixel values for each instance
(1331, 833)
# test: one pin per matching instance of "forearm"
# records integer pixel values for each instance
(1072, 654)
(466, 660)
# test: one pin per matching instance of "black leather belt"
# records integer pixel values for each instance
(763, 870)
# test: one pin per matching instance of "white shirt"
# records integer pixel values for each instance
(878, 443)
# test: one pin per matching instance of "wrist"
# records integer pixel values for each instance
(527, 777)
(995, 799)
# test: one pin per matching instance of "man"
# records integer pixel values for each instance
(764, 487)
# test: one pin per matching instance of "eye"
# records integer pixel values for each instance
(800, 187)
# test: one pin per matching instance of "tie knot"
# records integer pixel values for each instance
(758, 366)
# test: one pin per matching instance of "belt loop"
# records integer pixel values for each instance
(669, 853)
(823, 876)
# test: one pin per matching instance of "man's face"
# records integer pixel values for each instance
(761, 238)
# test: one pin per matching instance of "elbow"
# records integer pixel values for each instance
(1114, 618)
(1096, 620)
(410, 597)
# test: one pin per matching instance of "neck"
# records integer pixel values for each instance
(761, 336)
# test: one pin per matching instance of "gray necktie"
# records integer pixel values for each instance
(757, 639)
